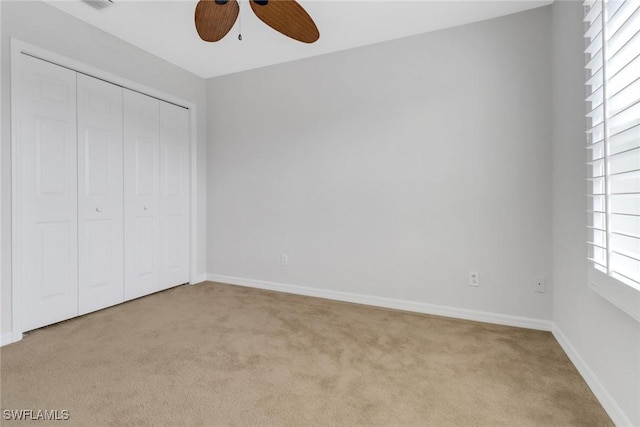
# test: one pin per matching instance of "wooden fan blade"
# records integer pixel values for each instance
(287, 17)
(214, 18)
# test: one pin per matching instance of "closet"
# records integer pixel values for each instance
(100, 193)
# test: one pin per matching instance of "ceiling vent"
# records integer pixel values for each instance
(98, 4)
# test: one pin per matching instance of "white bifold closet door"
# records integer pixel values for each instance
(156, 176)
(174, 195)
(45, 182)
(100, 194)
(141, 194)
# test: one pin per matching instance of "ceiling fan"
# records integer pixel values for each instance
(215, 18)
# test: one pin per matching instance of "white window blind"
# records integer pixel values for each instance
(613, 137)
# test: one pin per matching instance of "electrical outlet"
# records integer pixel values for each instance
(284, 259)
(474, 279)
(540, 285)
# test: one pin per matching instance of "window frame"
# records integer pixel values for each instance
(623, 296)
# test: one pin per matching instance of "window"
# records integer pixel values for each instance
(613, 145)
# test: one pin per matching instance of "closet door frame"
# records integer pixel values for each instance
(19, 48)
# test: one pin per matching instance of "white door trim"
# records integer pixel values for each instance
(19, 47)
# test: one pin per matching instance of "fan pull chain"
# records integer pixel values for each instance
(240, 21)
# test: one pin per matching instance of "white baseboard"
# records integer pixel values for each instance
(6, 338)
(199, 278)
(609, 404)
(418, 307)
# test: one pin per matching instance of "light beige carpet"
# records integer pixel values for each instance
(215, 354)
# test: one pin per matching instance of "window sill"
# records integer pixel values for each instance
(623, 296)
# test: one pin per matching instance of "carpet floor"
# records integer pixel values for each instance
(215, 355)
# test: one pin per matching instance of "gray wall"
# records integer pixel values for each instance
(607, 339)
(392, 170)
(47, 27)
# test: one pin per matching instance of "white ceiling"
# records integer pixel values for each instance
(166, 28)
